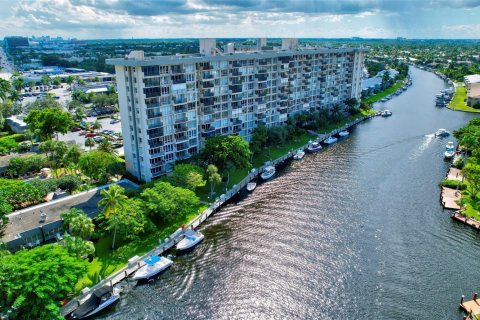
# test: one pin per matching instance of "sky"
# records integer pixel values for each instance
(100, 19)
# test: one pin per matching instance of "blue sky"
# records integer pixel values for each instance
(93, 19)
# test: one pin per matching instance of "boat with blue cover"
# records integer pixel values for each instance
(153, 266)
(191, 240)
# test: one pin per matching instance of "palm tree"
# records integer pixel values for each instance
(89, 142)
(4, 89)
(97, 125)
(106, 146)
(71, 157)
(69, 81)
(114, 201)
(81, 226)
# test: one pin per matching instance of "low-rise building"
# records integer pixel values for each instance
(17, 124)
(42, 223)
(473, 95)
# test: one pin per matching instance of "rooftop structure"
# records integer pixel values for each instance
(42, 223)
(171, 104)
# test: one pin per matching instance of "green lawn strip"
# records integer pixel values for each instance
(458, 101)
(112, 261)
(384, 93)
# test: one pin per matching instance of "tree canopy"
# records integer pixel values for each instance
(188, 176)
(49, 121)
(221, 150)
(34, 282)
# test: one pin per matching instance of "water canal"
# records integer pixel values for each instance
(354, 232)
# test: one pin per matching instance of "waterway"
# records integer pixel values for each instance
(353, 232)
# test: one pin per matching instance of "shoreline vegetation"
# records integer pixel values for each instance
(458, 101)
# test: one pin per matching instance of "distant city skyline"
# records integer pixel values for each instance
(99, 19)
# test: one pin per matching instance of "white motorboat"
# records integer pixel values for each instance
(191, 240)
(450, 150)
(97, 301)
(314, 147)
(268, 172)
(153, 266)
(330, 140)
(251, 186)
(343, 133)
(299, 155)
(386, 113)
(442, 133)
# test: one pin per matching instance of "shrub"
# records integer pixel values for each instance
(44, 186)
(453, 184)
(69, 183)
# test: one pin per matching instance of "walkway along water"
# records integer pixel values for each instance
(137, 262)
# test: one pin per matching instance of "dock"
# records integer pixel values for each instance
(450, 198)
(454, 174)
(472, 307)
(457, 215)
(137, 262)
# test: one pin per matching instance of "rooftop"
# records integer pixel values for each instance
(474, 78)
(29, 218)
(196, 58)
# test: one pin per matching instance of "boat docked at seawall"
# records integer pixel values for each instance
(299, 155)
(330, 140)
(343, 133)
(386, 113)
(98, 300)
(268, 172)
(251, 186)
(154, 265)
(314, 147)
(191, 240)
(442, 133)
(450, 150)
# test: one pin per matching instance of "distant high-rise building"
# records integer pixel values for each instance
(15, 42)
(171, 104)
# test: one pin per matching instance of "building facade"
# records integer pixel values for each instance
(170, 105)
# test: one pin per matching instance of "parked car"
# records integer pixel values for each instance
(75, 129)
(90, 134)
(82, 133)
(114, 121)
(98, 139)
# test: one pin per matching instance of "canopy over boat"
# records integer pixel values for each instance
(152, 260)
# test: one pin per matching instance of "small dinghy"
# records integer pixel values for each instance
(191, 240)
(154, 265)
(251, 186)
(442, 133)
(330, 140)
(386, 113)
(268, 172)
(299, 155)
(97, 301)
(343, 133)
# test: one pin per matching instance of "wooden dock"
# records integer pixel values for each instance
(450, 198)
(472, 307)
(475, 224)
(454, 174)
(137, 262)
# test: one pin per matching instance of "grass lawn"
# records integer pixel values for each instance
(107, 261)
(384, 93)
(458, 101)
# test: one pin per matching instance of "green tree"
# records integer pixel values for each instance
(97, 125)
(113, 202)
(220, 150)
(35, 281)
(106, 146)
(79, 114)
(167, 202)
(69, 215)
(130, 221)
(78, 246)
(45, 80)
(471, 172)
(213, 177)
(74, 105)
(18, 83)
(57, 81)
(188, 176)
(80, 225)
(89, 142)
(259, 139)
(72, 156)
(44, 103)
(4, 89)
(69, 81)
(97, 165)
(49, 121)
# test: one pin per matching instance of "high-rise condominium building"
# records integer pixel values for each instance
(170, 105)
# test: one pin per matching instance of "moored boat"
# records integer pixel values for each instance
(442, 133)
(450, 150)
(154, 265)
(386, 113)
(299, 155)
(191, 240)
(330, 140)
(268, 172)
(343, 133)
(251, 186)
(97, 301)
(314, 147)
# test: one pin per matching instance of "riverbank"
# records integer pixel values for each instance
(136, 262)
(458, 101)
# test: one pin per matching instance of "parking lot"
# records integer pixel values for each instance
(64, 95)
(80, 139)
